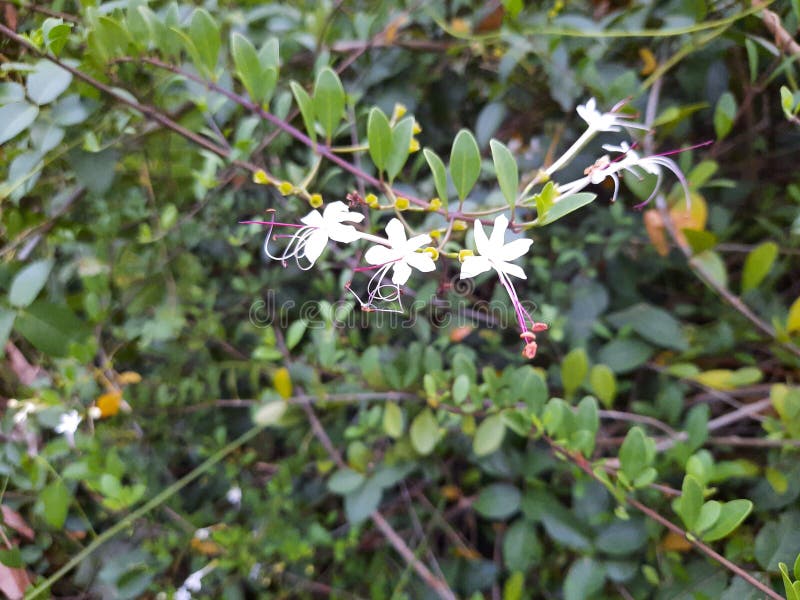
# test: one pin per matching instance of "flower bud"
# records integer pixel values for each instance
(261, 177)
(402, 203)
(285, 188)
(413, 146)
(463, 254)
(432, 251)
(459, 225)
(435, 204)
(399, 111)
(371, 200)
(315, 200)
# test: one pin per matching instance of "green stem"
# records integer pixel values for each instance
(157, 500)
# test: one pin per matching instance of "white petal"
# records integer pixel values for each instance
(514, 270)
(396, 233)
(473, 266)
(401, 273)
(334, 210)
(498, 233)
(515, 249)
(379, 255)
(418, 241)
(481, 241)
(421, 261)
(315, 245)
(343, 233)
(313, 219)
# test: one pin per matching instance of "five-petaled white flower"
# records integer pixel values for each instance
(234, 495)
(401, 254)
(494, 253)
(318, 228)
(68, 425)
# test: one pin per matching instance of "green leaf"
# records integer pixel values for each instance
(55, 33)
(465, 163)
(620, 538)
(690, 502)
(362, 502)
(713, 266)
(731, 516)
(55, 500)
(16, 118)
(6, 325)
(633, 456)
(269, 413)
(604, 384)
(507, 171)
(439, 173)
(561, 525)
(498, 501)
(328, 101)
(259, 79)
(205, 35)
(295, 332)
(50, 327)
(401, 146)
(791, 594)
(11, 558)
(574, 369)
(461, 388)
(653, 324)
(787, 102)
(564, 206)
(724, 115)
(424, 432)
(796, 568)
(584, 579)
(521, 546)
(345, 481)
(393, 420)
(306, 108)
(489, 435)
(758, 264)
(752, 58)
(624, 355)
(29, 282)
(379, 136)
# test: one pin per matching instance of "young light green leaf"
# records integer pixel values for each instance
(253, 75)
(16, 118)
(465, 163)
(507, 171)
(632, 453)
(758, 264)
(791, 594)
(55, 500)
(724, 115)
(439, 174)
(401, 146)
(29, 282)
(752, 58)
(709, 514)
(393, 421)
(306, 108)
(574, 369)
(328, 101)
(204, 33)
(379, 136)
(55, 33)
(731, 516)
(690, 502)
(345, 481)
(564, 206)
(424, 432)
(604, 384)
(489, 435)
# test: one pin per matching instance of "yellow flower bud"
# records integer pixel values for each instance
(371, 200)
(413, 146)
(399, 111)
(285, 188)
(463, 254)
(432, 251)
(315, 201)
(261, 177)
(402, 203)
(435, 234)
(459, 225)
(435, 204)
(417, 128)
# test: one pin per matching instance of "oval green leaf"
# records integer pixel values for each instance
(465, 163)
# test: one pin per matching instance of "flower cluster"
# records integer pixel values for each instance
(393, 259)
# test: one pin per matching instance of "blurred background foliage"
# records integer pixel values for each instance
(131, 294)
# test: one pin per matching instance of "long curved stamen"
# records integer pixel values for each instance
(520, 311)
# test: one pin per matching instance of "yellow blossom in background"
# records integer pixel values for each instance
(282, 382)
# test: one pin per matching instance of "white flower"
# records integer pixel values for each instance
(182, 594)
(68, 425)
(610, 121)
(234, 495)
(22, 414)
(401, 255)
(318, 228)
(194, 582)
(494, 253)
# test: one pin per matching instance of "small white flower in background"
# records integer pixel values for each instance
(25, 410)
(202, 534)
(194, 582)
(610, 121)
(313, 235)
(68, 425)
(182, 594)
(494, 253)
(234, 495)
